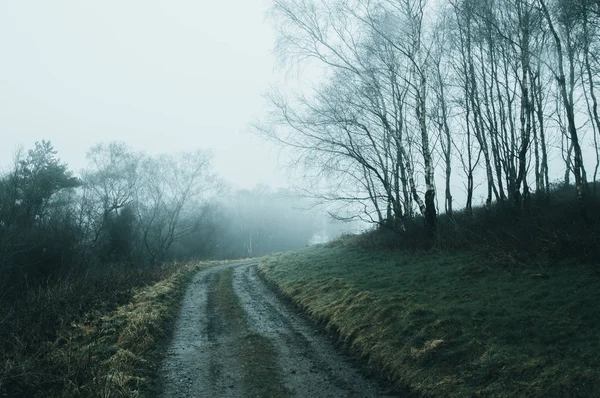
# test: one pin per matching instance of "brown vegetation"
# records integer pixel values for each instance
(89, 336)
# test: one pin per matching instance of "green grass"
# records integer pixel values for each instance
(453, 324)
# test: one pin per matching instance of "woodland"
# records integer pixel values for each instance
(452, 123)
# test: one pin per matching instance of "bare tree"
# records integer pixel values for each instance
(110, 184)
(168, 185)
(359, 127)
(566, 84)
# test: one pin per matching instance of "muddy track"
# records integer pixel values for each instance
(235, 338)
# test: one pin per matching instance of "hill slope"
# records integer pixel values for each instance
(453, 324)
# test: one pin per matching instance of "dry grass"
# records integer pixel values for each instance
(453, 324)
(100, 340)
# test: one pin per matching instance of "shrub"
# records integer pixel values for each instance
(543, 230)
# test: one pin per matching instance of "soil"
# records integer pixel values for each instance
(234, 338)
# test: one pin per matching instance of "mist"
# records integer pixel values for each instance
(419, 176)
(163, 76)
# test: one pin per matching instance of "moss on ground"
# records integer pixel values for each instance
(453, 324)
(256, 353)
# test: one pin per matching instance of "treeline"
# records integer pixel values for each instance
(128, 210)
(420, 100)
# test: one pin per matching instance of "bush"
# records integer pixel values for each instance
(544, 230)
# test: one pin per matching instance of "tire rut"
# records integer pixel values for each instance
(310, 365)
(201, 360)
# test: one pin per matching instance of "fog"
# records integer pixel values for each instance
(125, 138)
(383, 125)
(410, 164)
(163, 76)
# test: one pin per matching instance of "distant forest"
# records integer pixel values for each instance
(128, 210)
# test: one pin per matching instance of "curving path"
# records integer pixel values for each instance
(235, 338)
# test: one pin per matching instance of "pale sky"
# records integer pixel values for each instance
(161, 75)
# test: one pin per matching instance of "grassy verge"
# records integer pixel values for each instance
(453, 324)
(255, 352)
(91, 337)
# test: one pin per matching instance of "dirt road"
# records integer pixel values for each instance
(235, 338)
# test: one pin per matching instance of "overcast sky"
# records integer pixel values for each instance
(162, 76)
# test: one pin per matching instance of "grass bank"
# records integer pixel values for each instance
(91, 336)
(453, 323)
